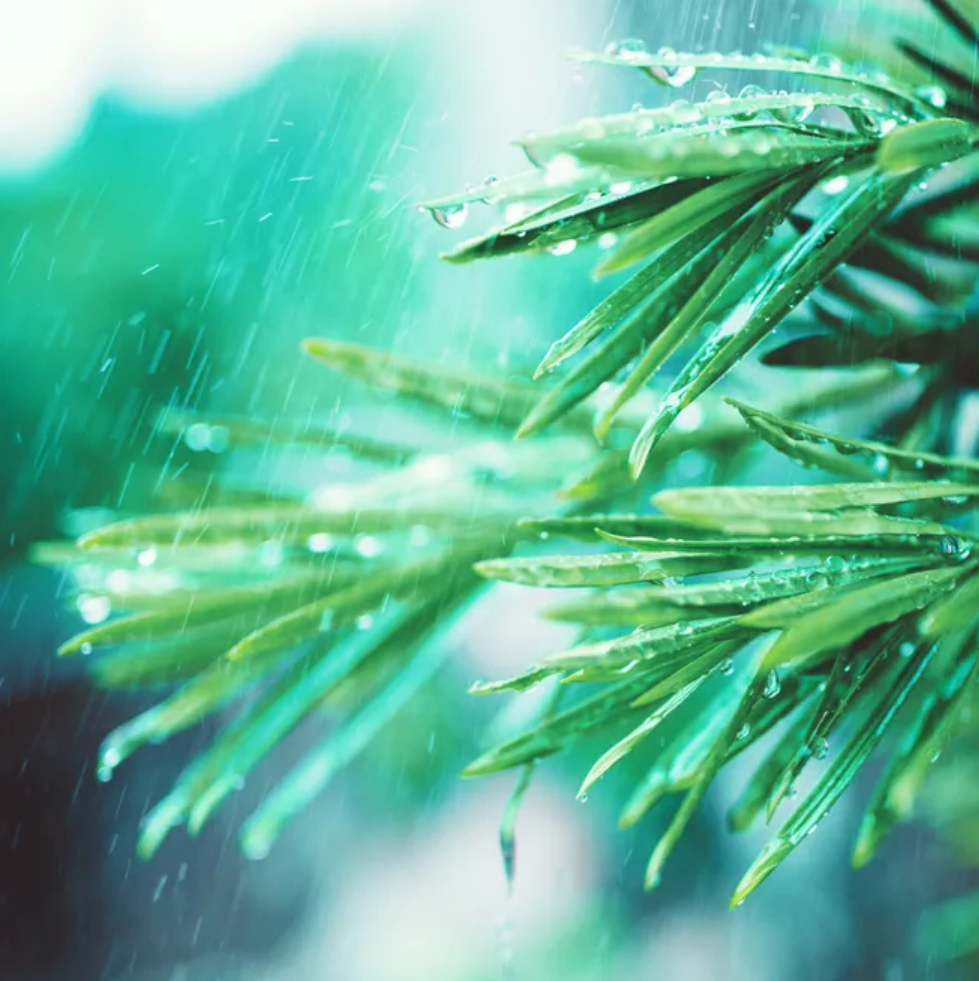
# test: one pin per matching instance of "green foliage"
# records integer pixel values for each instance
(826, 619)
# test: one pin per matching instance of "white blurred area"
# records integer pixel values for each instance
(58, 57)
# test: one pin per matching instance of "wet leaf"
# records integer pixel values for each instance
(840, 229)
(837, 778)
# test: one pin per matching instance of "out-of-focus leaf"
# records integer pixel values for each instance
(239, 431)
(421, 654)
(485, 398)
(185, 609)
(404, 582)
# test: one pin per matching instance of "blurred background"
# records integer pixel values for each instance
(187, 190)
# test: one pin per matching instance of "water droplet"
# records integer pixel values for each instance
(94, 609)
(821, 748)
(560, 169)
(673, 75)
(365, 621)
(219, 439)
(607, 240)
(817, 580)
(629, 49)
(85, 649)
(934, 95)
(319, 542)
(835, 563)
(563, 248)
(906, 649)
(836, 185)
(451, 215)
(198, 437)
(146, 557)
(369, 546)
(419, 536)
(952, 545)
(726, 667)
(881, 465)
(773, 685)
(743, 732)
(827, 62)
(270, 554)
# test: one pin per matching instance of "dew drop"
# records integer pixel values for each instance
(369, 546)
(934, 95)
(827, 62)
(628, 49)
(94, 609)
(563, 248)
(773, 685)
(835, 563)
(450, 215)
(836, 185)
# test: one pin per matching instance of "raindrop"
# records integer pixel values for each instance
(743, 732)
(881, 465)
(319, 542)
(563, 248)
(726, 667)
(607, 240)
(365, 621)
(629, 49)
(198, 437)
(836, 185)
(94, 609)
(827, 62)
(906, 649)
(450, 215)
(773, 685)
(816, 580)
(419, 536)
(934, 95)
(835, 563)
(821, 748)
(369, 546)
(147, 557)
